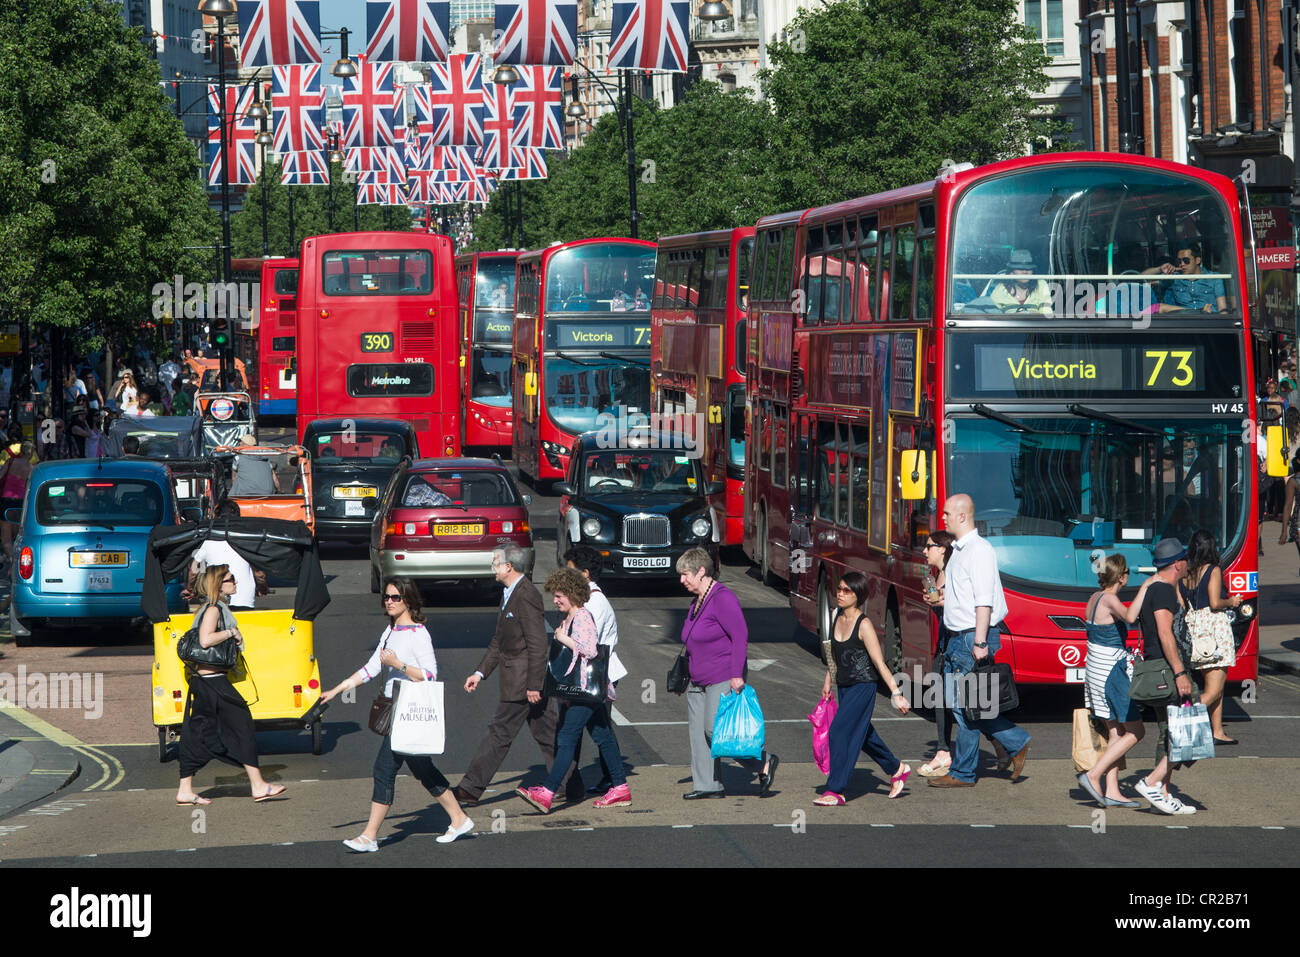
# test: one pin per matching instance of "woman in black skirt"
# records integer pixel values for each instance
(217, 721)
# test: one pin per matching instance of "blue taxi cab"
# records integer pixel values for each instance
(80, 550)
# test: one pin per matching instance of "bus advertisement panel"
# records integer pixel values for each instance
(486, 282)
(1064, 338)
(581, 346)
(697, 354)
(276, 334)
(377, 333)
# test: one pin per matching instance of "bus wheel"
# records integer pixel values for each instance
(824, 612)
(891, 647)
(764, 566)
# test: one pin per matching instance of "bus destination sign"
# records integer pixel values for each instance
(1106, 365)
(598, 334)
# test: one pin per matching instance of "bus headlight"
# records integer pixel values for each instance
(591, 527)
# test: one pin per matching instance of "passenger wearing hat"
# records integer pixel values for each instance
(1022, 294)
(253, 473)
(1157, 623)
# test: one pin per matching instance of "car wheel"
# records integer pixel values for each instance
(23, 634)
(374, 580)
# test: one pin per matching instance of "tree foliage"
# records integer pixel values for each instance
(872, 95)
(98, 187)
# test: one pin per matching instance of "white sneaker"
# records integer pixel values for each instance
(1152, 794)
(362, 844)
(454, 832)
(1178, 807)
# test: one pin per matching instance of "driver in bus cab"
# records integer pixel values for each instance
(1205, 295)
(1022, 294)
(501, 295)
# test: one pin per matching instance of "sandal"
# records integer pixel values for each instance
(933, 769)
(830, 799)
(195, 801)
(899, 780)
(271, 792)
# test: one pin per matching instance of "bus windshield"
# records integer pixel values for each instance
(494, 284)
(489, 380)
(578, 392)
(1093, 241)
(1052, 497)
(601, 277)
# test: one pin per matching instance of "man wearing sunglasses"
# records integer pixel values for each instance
(1188, 292)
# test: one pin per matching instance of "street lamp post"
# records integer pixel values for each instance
(576, 111)
(264, 139)
(219, 10)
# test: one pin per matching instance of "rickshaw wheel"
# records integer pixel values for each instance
(162, 745)
(316, 737)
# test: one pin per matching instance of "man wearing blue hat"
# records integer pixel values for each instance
(1157, 623)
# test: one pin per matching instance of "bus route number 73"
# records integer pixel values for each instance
(1177, 365)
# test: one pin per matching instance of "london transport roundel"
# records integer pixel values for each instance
(222, 409)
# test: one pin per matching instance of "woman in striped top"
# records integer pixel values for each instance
(1106, 679)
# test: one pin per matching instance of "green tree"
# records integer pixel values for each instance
(871, 95)
(98, 192)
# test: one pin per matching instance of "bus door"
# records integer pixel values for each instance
(912, 519)
(803, 490)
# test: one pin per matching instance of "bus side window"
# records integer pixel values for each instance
(860, 471)
(787, 260)
(780, 444)
(842, 465)
(765, 435)
(773, 278)
(904, 247)
(826, 476)
(881, 304)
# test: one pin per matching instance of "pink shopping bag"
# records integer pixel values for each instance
(821, 719)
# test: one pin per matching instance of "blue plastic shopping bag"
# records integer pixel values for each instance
(738, 729)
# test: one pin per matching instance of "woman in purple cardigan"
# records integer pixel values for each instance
(716, 641)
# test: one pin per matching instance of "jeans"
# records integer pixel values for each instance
(385, 773)
(851, 732)
(959, 660)
(579, 718)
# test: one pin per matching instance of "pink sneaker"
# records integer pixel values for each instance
(538, 797)
(614, 797)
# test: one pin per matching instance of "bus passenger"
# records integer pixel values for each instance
(1207, 295)
(1022, 294)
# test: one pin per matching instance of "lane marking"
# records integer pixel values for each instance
(983, 825)
(682, 827)
(1177, 827)
(1272, 827)
(882, 825)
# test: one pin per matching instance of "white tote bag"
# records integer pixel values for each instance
(419, 720)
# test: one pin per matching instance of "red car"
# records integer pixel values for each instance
(441, 519)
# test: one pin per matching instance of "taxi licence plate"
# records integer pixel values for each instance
(439, 530)
(1074, 676)
(87, 559)
(355, 491)
(649, 561)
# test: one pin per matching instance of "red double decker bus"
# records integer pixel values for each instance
(697, 353)
(581, 345)
(378, 333)
(1065, 338)
(277, 327)
(486, 283)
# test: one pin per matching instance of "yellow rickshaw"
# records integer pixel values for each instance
(278, 674)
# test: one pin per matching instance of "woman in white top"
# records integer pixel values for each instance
(405, 653)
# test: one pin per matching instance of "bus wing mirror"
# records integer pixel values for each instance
(293, 364)
(1276, 451)
(530, 383)
(914, 471)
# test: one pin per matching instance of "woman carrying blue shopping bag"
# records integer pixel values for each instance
(717, 641)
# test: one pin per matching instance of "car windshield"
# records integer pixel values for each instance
(1051, 498)
(355, 447)
(623, 471)
(472, 487)
(1093, 241)
(577, 392)
(99, 501)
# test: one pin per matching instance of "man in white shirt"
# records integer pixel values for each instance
(973, 609)
(586, 559)
(214, 552)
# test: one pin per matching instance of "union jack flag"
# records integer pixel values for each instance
(447, 162)
(421, 187)
(649, 35)
(407, 30)
(414, 154)
(536, 32)
(526, 163)
(497, 126)
(450, 106)
(241, 134)
(298, 106)
(368, 98)
(305, 168)
(376, 165)
(537, 100)
(279, 32)
(380, 194)
(471, 191)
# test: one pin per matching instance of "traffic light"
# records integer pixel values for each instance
(221, 334)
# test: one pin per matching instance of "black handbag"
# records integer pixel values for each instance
(679, 675)
(571, 687)
(381, 709)
(990, 676)
(223, 656)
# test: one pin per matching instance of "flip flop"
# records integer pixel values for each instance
(899, 780)
(195, 802)
(271, 793)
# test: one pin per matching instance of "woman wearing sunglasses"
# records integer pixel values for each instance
(405, 653)
(859, 664)
(217, 722)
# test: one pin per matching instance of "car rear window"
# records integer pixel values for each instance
(358, 448)
(99, 501)
(482, 487)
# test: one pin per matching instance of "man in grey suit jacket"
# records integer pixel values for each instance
(518, 648)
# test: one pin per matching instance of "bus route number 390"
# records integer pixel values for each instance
(376, 342)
